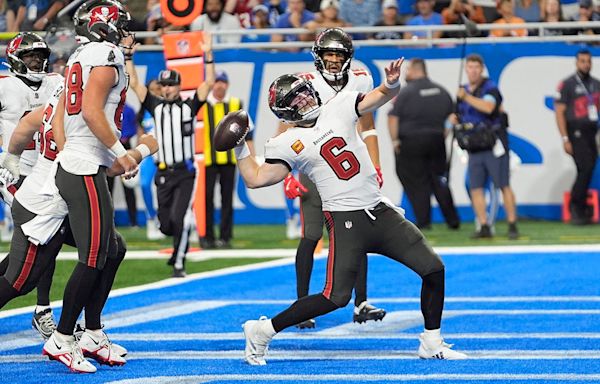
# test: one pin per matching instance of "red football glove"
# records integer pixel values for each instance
(379, 176)
(292, 187)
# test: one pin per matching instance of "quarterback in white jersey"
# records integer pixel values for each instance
(324, 144)
(27, 55)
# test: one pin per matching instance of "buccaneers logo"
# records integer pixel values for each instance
(14, 45)
(272, 95)
(103, 14)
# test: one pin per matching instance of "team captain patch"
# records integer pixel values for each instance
(297, 146)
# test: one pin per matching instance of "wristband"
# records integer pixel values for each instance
(391, 86)
(209, 61)
(565, 139)
(370, 132)
(118, 149)
(241, 151)
(143, 150)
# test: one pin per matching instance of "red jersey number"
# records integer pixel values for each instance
(344, 164)
(74, 85)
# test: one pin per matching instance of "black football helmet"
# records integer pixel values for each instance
(333, 40)
(26, 43)
(101, 20)
(294, 100)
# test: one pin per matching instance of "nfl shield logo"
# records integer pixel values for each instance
(348, 224)
(183, 47)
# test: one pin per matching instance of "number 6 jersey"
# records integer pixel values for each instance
(332, 155)
(83, 151)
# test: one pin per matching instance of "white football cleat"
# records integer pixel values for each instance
(257, 342)
(119, 349)
(438, 349)
(99, 348)
(67, 352)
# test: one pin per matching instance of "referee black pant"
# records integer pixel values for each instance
(226, 176)
(421, 168)
(174, 189)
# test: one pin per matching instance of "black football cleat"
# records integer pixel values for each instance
(365, 312)
(310, 323)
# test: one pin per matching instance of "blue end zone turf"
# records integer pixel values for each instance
(522, 318)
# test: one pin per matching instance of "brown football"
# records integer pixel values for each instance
(231, 130)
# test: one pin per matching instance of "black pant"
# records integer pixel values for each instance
(226, 175)
(585, 154)
(174, 188)
(129, 198)
(421, 168)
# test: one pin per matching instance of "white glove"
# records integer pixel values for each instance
(11, 163)
(6, 180)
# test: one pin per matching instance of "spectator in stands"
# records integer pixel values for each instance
(328, 18)
(14, 13)
(242, 9)
(390, 17)
(216, 19)
(426, 16)
(451, 14)
(2, 16)
(260, 20)
(553, 14)
(296, 16)
(276, 9)
(360, 12)
(586, 13)
(529, 10)
(406, 10)
(506, 9)
(40, 13)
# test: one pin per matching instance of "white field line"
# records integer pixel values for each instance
(289, 252)
(351, 335)
(274, 354)
(254, 378)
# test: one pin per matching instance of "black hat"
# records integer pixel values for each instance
(169, 77)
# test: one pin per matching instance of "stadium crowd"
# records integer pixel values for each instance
(39, 15)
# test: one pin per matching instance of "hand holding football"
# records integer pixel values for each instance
(231, 130)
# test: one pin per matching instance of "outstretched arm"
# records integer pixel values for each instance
(385, 92)
(134, 83)
(209, 63)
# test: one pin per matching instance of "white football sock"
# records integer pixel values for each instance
(41, 308)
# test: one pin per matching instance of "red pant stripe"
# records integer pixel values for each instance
(29, 260)
(330, 256)
(95, 224)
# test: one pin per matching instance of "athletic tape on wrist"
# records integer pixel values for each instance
(143, 150)
(118, 149)
(370, 132)
(241, 151)
(391, 86)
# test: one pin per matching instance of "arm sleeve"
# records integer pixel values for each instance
(195, 103)
(561, 95)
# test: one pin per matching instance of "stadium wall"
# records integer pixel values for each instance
(527, 74)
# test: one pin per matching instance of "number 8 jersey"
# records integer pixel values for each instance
(83, 151)
(332, 155)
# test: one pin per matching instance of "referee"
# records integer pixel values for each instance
(174, 121)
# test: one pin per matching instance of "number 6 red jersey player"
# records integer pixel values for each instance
(324, 144)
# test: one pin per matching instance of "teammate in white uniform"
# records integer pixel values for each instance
(30, 87)
(333, 52)
(325, 145)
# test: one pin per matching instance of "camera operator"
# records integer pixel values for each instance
(481, 129)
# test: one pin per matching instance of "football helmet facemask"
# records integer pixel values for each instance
(333, 40)
(294, 100)
(27, 56)
(101, 20)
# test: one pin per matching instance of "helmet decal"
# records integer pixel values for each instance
(103, 14)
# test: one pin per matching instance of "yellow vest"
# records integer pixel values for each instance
(212, 115)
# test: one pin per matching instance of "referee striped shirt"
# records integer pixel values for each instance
(174, 123)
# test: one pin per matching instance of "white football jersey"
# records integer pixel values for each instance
(16, 100)
(83, 152)
(332, 155)
(29, 194)
(359, 80)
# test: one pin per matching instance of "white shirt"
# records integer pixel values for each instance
(358, 80)
(227, 21)
(84, 152)
(16, 100)
(332, 155)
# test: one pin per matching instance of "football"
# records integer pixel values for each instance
(231, 130)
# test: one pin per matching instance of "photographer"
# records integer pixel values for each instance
(480, 128)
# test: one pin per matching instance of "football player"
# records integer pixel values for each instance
(27, 58)
(94, 98)
(41, 228)
(323, 144)
(333, 52)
